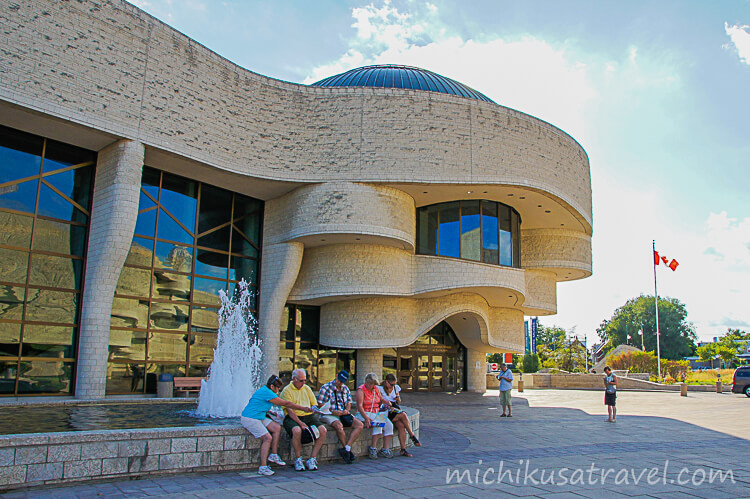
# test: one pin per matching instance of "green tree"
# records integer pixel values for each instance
(728, 353)
(706, 352)
(530, 363)
(571, 357)
(549, 340)
(677, 335)
(495, 358)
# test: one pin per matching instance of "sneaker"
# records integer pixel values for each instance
(373, 453)
(345, 456)
(352, 457)
(299, 464)
(276, 459)
(312, 464)
(265, 470)
(386, 453)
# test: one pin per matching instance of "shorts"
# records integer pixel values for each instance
(505, 398)
(309, 420)
(610, 398)
(257, 427)
(377, 430)
(330, 419)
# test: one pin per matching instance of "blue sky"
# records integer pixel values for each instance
(656, 92)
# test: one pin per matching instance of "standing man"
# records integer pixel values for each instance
(337, 393)
(506, 384)
(298, 423)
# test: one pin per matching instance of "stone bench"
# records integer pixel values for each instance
(66, 457)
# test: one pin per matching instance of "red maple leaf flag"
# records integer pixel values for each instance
(660, 258)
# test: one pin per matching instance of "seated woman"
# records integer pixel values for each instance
(255, 421)
(391, 392)
(369, 401)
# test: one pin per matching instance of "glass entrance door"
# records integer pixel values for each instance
(433, 363)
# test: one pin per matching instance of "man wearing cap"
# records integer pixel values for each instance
(337, 393)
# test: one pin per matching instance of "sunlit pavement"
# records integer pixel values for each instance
(557, 444)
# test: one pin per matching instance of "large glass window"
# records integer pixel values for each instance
(485, 231)
(299, 348)
(45, 203)
(191, 241)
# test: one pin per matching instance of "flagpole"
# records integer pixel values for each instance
(656, 304)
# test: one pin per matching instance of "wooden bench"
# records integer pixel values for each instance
(187, 385)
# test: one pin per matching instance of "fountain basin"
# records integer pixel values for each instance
(34, 459)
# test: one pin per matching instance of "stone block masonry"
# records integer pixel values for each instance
(58, 458)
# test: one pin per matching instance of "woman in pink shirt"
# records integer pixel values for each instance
(369, 401)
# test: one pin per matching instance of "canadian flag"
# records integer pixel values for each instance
(661, 258)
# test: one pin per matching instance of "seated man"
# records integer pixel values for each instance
(297, 423)
(337, 393)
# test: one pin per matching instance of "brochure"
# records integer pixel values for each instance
(379, 419)
(324, 410)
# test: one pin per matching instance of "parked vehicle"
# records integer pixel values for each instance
(741, 380)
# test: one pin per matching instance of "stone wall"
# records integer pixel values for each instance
(594, 382)
(56, 458)
(112, 67)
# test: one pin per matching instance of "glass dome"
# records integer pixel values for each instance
(394, 76)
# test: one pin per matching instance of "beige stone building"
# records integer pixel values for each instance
(389, 219)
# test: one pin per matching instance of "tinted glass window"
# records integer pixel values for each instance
(51, 184)
(485, 231)
(428, 230)
(449, 241)
(470, 230)
(192, 241)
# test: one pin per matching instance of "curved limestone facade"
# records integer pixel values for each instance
(342, 173)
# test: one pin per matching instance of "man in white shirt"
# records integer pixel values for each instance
(506, 384)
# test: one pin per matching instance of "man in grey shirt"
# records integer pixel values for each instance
(506, 384)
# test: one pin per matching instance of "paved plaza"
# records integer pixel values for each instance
(556, 445)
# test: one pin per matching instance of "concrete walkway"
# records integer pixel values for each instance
(556, 445)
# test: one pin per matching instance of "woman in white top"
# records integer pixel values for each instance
(390, 391)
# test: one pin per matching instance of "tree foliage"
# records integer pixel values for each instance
(727, 347)
(530, 363)
(677, 335)
(646, 362)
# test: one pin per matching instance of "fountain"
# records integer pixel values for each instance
(115, 439)
(234, 374)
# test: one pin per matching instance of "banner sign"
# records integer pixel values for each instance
(526, 335)
(534, 321)
(508, 358)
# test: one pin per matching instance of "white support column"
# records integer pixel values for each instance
(279, 268)
(369, 360)
(476, 371)
(113, 216)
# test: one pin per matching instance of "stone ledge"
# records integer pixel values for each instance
(60, 458)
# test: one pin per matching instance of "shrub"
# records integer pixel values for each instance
(637, 362)
(530, 363)
(674, 368)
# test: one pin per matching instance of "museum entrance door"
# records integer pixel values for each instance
(436, 362)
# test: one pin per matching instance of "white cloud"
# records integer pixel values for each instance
(594, 97)
(740, 36)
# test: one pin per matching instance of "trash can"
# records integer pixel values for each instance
(165, 386)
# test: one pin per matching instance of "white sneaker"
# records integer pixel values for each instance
(265, 470)
(312, 464)
(299, 464)
(276, 459)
